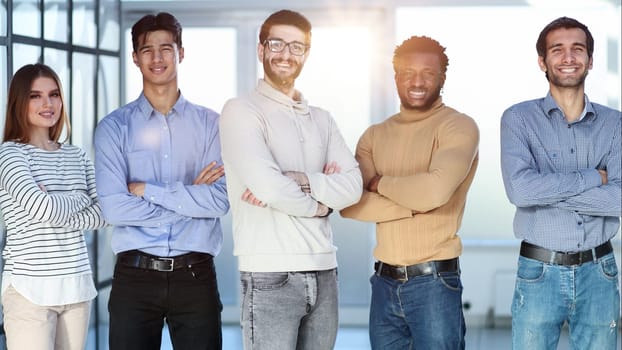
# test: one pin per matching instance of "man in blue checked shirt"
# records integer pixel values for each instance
(160, 181)
(560, 158)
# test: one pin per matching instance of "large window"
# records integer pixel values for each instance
(80, 40)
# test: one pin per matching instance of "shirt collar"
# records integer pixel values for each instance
(549, 105)
(147, 111)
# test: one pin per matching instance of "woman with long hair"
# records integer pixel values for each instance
(47, 197)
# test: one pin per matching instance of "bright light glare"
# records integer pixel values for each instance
(207, 75)
(337, 77)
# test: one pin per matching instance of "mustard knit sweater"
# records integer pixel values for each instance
(427, 161)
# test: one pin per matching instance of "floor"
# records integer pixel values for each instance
(356, 338)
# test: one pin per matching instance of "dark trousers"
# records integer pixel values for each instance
(187, 298)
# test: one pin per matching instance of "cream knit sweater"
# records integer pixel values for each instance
(263, 135)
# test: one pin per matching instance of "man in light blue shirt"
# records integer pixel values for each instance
(560, 158)
(161, 184)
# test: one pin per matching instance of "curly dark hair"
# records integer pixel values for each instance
(418, 44)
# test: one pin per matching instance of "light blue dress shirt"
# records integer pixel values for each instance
(136, 143)
(550, 173)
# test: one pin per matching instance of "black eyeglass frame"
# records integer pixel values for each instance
(268, 42)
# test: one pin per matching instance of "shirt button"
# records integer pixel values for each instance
(165, 156)
(152, 198)
(579, 223)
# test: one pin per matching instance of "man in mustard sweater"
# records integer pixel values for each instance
(417, 167)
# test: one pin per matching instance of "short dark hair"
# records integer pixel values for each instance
(16, 126)
(420, 44)
(285, 17)
(151, 23)
(564, 22)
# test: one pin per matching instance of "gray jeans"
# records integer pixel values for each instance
(289, 310)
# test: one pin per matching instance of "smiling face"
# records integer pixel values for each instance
(419, 80)
(158, 57)
(44, 106)
(282, 68)
(567, 62)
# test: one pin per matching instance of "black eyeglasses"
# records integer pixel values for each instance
(296, 48)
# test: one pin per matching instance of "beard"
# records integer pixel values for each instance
(280, 79)
(427, 102)
(556, 80)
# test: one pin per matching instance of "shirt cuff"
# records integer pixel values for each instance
(592, 178)
(315, 181)
(153, 193)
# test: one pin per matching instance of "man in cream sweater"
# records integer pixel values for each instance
(287, 168)
(417, 167)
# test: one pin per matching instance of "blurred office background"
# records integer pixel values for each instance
(493, 64)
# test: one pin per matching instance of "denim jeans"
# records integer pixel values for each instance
(140, 301)
(424, 313)
(586, 296)
(289, 310)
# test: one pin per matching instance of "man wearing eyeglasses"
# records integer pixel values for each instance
(288, 168)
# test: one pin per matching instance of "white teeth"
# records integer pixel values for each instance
(416, 94)
(568, 70)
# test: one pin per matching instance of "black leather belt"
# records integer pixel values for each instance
(403, 273)
(531, 251)
(135, 258)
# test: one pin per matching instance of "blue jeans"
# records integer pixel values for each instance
(424, 312)
(140, 301)
(289, 310)
(586, 296)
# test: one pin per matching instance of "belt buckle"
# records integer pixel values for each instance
(403, 277)
(171, 261)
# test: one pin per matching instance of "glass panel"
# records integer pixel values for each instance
(109, 25)
(82, 109)
(90, 237)
(58, 60)
(3, 96)
(25, 54)
(318, 84)
(55, 20)
(26, 18)
(108, 86)
(101, 303)
(83, 22)
(3, 19)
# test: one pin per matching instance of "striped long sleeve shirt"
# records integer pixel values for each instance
(47, 199)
